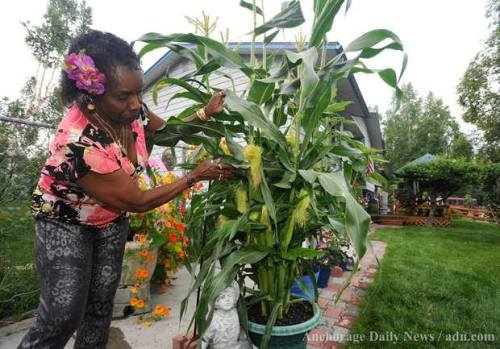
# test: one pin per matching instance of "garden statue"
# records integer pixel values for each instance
(224, 330)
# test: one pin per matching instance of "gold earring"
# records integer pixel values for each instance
(91, 106)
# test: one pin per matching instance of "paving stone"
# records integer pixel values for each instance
(334, 287)
(351, 310)
(332, 345)
(323, 302)
(334, 311)
(340, 334)
(326, 293)
(317, 337)
(346, 321)
(336, 271)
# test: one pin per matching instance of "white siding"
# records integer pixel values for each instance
(166, 109)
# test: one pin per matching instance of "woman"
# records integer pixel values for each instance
(88, 184)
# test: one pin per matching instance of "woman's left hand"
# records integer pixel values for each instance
(216, 104)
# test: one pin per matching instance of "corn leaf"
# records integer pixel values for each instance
(289, 17)
(324, 20)
(253, 115)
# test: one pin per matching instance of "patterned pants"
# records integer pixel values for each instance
(79, 270)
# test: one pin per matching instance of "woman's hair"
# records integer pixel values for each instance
(108, 52)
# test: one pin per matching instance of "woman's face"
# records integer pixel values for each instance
(123, 98)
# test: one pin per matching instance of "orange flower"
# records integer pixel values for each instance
(185, 240)
(149, 258)
(183, 210)
(198, 186)
(181, 227)
(137, 284)
(144, 253)
(172, 237)
(133, 302)
(162, 310)
(141, 238)
(134, 290)
(148, 324)
(171, 223)
(142, 273)
(139, 304)
(181, 254)
(166, 264)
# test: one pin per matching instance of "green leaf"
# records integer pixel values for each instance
(163, 82)
(253, 115)
(324, 21)
(286, 180)
(356, 218)
(290, 17)
(260, 92)
(225, 56)
(270, 324)
(309, 175)
(186, 53)
(271, 37)
(268, 198)
(308, 77)
(208, 67)
(302, 252)
(249, 6)
(366, 41)
(372, 38)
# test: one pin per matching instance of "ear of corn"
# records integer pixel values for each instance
(224, 147)
(241, 198)
(300, 213)
(253, 154)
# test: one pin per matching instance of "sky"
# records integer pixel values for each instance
(440, 36)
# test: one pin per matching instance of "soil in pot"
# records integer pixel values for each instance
(298, 313)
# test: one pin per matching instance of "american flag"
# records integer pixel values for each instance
(371, 167)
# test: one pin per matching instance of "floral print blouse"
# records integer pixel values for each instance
(78, 147)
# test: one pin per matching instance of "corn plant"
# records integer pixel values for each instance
(296, 165)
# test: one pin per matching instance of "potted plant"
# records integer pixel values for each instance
(332, 256)
(155, 248)
(296, 165)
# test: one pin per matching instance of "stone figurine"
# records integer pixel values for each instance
(224, 331)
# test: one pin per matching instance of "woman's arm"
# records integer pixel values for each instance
(214, 106)
(119, 191)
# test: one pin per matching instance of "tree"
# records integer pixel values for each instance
(421, 126)
(20, 153)
(478, 89)
(49, 41)
(438, 179)
(490, 189)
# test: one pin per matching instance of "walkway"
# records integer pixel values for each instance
(337, 319)
(335, 323)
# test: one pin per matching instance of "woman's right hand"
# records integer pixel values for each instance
(214, 169)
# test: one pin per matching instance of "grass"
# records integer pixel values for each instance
(433, 285)
(18, 281)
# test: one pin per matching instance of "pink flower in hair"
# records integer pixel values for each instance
(81, 68)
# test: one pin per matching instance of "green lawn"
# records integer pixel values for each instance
(18, 283)
(436, 288)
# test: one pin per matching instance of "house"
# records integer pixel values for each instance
(366, 128)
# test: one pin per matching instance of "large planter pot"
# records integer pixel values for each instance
(324, 276)
(310, 293)
(131, 263)
(289, 337)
